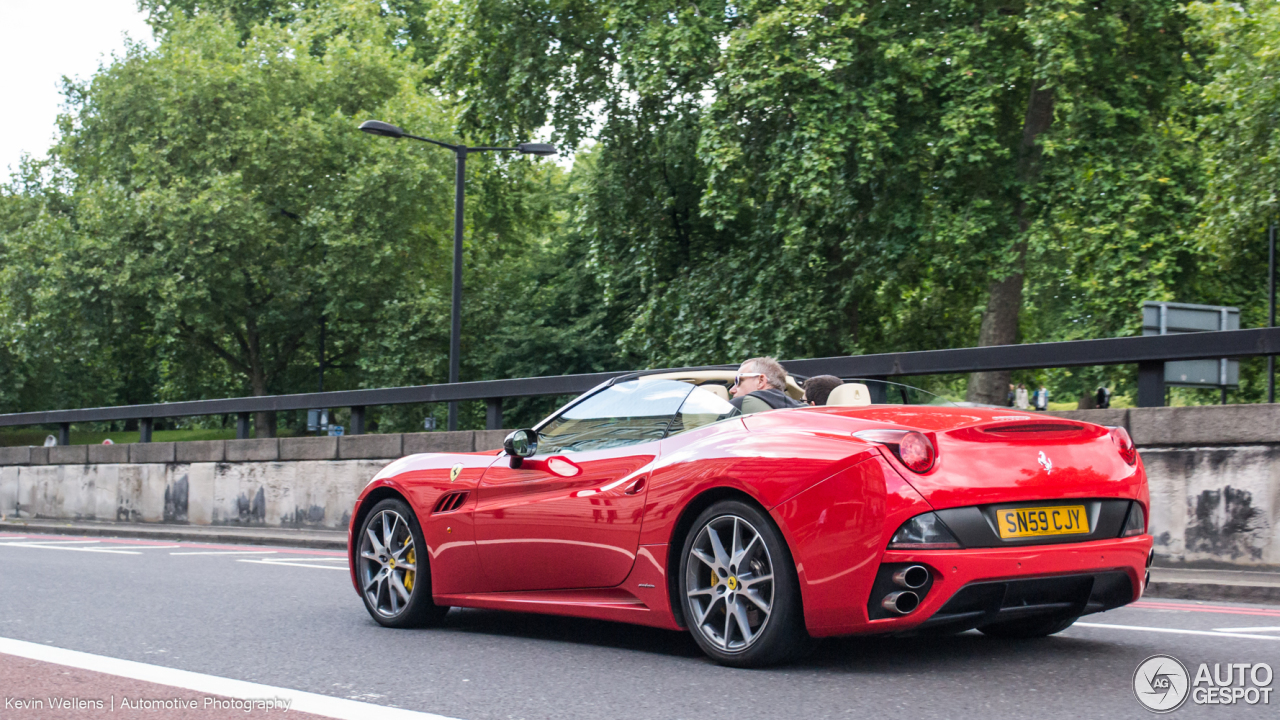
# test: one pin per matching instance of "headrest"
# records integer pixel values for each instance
(718, 390)
(850, 395)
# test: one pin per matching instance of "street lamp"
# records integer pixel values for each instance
(377, 127)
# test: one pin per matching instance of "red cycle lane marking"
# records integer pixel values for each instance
(39, 690)
(162, 543)
(1217, 609)
(101, 678)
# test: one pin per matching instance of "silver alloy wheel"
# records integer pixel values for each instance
(730, 587)
(388, 566)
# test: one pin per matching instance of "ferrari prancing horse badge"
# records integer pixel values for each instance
(455, 472)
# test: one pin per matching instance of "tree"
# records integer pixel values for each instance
(223, 187)
(811, 178)
(64, 345)
(794, 178)
(958, 129)
(1241, 140)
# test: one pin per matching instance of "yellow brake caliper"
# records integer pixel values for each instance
(408, 574)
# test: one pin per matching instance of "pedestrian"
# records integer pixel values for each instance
(1103, 397)
(1013, 395)
(1042, 399)
(1020, 398)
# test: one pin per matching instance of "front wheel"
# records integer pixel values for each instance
(394, 575)
(741, 598)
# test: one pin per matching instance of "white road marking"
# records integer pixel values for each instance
(1272, 628)
(59, 542)
(64, 546)
(305, 702)
(293, 564)
(1108, 626)
(44, 540)
(227, 552)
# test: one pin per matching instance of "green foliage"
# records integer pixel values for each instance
(211, 205)
(794, 178)
(1243, 95)
(223, 186)
(64, 344)
(808, 178)
(412, 22)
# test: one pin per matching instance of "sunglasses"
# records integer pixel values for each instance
(737, 379)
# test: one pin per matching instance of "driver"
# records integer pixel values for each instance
(759, 386)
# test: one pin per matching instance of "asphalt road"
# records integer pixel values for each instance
(289, 618)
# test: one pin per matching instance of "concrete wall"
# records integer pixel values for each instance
(287, 482)
(1214, 472)
(1215, 480)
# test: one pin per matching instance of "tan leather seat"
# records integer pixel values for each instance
(719, 391)
(850, 395)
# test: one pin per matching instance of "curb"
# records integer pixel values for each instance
(304, 539)
(1213, 591)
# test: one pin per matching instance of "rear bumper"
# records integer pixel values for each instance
(968, 588)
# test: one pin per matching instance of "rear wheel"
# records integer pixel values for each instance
(738, 586)
(392, 568)
(1028, 628)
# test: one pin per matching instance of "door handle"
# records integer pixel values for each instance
(635, 488)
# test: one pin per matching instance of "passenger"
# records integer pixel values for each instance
(760, 386)
(818, 388)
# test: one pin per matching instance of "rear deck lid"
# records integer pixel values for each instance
(1010, 459)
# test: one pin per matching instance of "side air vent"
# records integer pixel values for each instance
(451, 501)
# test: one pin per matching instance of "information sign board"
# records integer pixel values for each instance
(1168, 318)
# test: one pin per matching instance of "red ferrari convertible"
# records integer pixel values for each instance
(650, 500)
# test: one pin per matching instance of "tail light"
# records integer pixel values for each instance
(1135, 524)
(1124, 444)
(914, 449)
(916, 452)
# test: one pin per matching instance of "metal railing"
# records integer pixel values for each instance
(1148, 353)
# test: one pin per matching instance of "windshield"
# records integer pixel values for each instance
(884, 392)
(635, 411)
(622, 414)
(702, 407)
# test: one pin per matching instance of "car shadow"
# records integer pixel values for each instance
(860, 655)
(869, 655)
(581, 631)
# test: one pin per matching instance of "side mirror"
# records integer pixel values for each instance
(519, 445)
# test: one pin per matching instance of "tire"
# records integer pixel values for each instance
(395, 578)
(741, 601)
(1029, 628)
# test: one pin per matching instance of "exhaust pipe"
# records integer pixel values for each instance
(912, 578)
(901, 602)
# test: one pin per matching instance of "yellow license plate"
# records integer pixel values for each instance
(1031, 522)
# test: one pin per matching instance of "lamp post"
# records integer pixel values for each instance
(377, 127)
(1271, 302)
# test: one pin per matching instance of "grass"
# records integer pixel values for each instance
(1117, 401)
